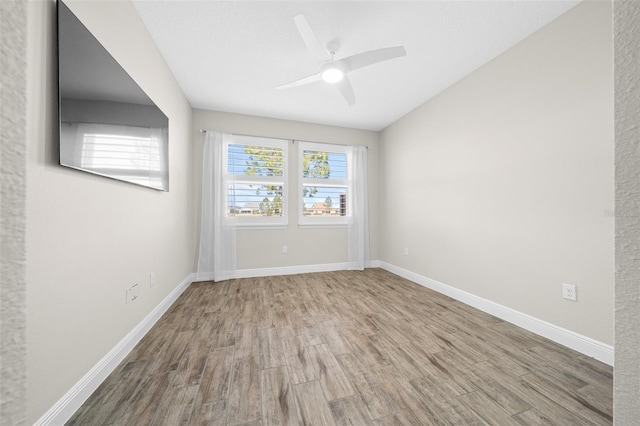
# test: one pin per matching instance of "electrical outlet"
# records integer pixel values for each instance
(133, 293)
(152, 279)
(569, 292)
(406, 251)
(284, 249)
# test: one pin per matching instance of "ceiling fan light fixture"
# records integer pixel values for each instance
(332, 75)
(335, 72)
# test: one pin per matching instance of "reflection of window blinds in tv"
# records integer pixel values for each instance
(120, 152)
(131, 153)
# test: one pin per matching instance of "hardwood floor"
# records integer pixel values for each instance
(344, 348)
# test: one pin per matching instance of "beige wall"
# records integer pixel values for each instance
(263, 248)
(627, 336)
(501, 185)
(90, 238)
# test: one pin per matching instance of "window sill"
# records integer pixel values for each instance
(258, 226)
(322, 225)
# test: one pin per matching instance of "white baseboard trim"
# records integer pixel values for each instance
(375, 264)
(62, 410)
(583, 344)
(290, 270)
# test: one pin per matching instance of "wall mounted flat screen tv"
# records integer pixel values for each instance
(108, 125)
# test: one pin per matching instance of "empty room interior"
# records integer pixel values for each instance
(441, 236)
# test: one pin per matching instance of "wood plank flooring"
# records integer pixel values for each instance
(344, 348)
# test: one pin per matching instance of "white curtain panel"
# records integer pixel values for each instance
(217, 254)
(359, 255)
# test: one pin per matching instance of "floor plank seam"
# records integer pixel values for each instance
(339, 347)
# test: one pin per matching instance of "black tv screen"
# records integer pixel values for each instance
(108, 125)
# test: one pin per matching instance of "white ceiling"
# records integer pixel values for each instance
(230, 55)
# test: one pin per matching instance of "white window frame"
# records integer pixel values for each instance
(257, 222)
(322, 221)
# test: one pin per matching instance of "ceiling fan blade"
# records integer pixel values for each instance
(307, 80)
(318, 51)
(344, 86)
(373, 56)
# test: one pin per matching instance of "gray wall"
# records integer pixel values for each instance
(502, 186)
(13, 102)
(627, 190)
(90, 238)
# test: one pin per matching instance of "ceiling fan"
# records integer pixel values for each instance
(335, 71)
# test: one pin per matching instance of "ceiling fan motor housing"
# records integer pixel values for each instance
(333, 71)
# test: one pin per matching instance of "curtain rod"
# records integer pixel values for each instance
(252, 136)
(284, 139)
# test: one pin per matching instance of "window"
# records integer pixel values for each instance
(324, 184)
(256, 181)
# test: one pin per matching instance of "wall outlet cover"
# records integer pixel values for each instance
(569, 292)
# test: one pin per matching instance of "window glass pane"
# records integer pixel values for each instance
(324, 165)
(255, 160)
(324, 201)
(255, 200)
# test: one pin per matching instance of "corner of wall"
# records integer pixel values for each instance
(13, 98)
(626, 392)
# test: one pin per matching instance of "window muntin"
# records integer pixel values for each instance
(324, 184)
(256, 181)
